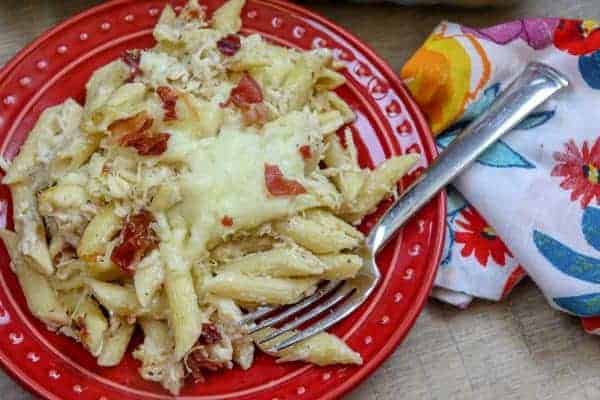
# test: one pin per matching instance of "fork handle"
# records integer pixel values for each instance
(531, 88)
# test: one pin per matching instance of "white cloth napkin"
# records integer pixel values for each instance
(539, 187)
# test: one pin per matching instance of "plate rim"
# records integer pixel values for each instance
(424, 132)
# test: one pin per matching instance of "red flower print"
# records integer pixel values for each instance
(577, 37)
(580, 170)
(480, 238)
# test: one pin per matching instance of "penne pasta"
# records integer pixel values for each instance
(41, 298)
(320, 231)
(280, 262)
(149, 278)
(341, 266)
(88, 319)
(115, 343)
(96, 236)
(238, 248)
(156, 356)
(260, 290)
(118, 299)
(349, 178)
(185, 315)
(31, 230)
(321, 349)
(380, 183)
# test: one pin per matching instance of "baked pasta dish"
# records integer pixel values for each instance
(201, 178)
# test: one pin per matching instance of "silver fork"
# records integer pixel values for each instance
(531, 88)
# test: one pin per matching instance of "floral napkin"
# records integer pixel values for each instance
(531, 203)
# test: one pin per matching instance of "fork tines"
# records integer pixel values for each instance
(333, 293)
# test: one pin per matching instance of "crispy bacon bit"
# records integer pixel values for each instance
(147, 145)
(277, 185)
(227, 221)
(210, 334)
(246, 92)
(168, 96)
(136, 132)
(198, 361)
(136, 239)
(132, 59)
(305, 152)
(229, 45)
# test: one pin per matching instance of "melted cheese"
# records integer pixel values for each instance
(227, 178)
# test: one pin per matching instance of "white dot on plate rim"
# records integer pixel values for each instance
(252, 14)
(103, 398)
(368, 340)
(8, 100)
(105, 26)
(54, 374)
(385, 319)
(318, 42)
(62, 49)
(398, 297)
(42, 64)
(421, 225)
(77, 388)
(33, 357)
(326, 376)
(415, 250)
(15, 338)
(298, 32)
(301, 390)
(83, 36)
(276, 22)
(153, 11)
(129, 17)
(25, 81)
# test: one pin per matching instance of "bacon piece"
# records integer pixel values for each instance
(136, 132)
(277, 185)
(305, 152)
(229, 45)
(198, 361)
(136, 240)
(132, 59)
(210, 334)
(168, 97)
(227, 221)
(147, 143)
(245, 93)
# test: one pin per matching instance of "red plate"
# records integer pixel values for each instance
(57, 66)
